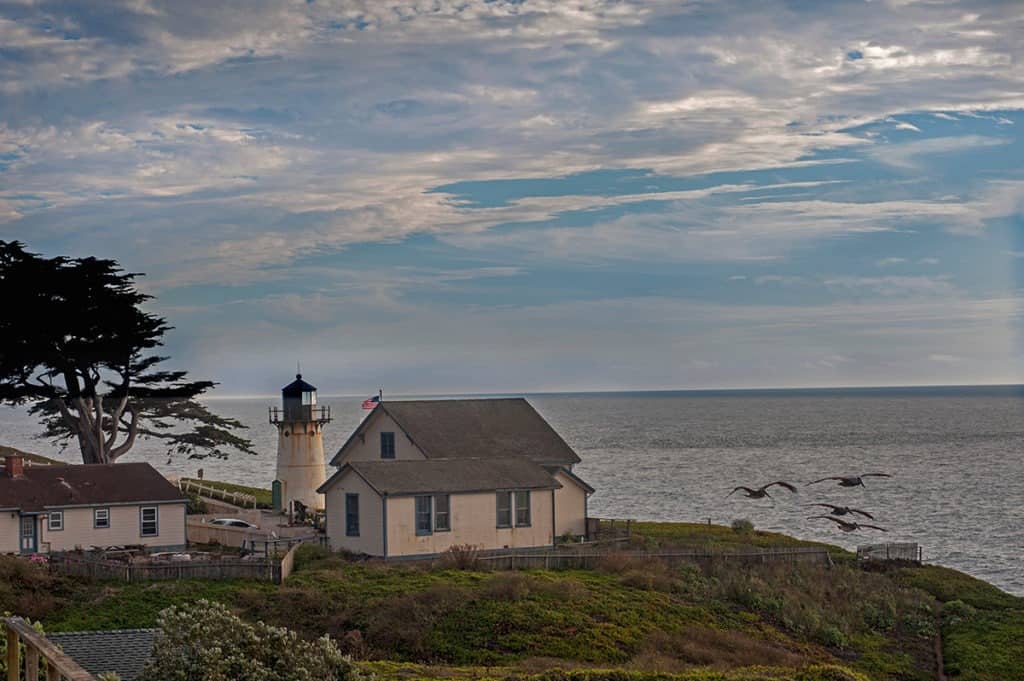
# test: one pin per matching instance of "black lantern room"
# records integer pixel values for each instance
(298, 403)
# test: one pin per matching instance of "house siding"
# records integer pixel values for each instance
(10, 525)
(473, 520)
(367, 446)
(124, 528)
(371, 517)
(570, 507)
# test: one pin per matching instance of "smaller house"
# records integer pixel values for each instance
(63, 507)
(420, 476)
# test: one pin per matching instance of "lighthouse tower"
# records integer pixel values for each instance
(300, 444)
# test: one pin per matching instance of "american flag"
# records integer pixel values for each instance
(372, 402)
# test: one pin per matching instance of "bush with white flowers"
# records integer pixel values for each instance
(204, 641)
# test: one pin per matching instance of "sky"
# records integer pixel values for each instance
(446, 196)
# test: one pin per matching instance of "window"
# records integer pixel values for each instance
(504, 509)
(423, 515)
(523, 509)
(149, 526)
(56, 521)
(28, 526)
(351, 515)
(442, 513)
(387, 445)
(101, 518)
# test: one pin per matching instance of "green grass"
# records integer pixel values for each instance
(640, 618)
(264, 498)
(414, 672)
(982, 627)
(700, 535)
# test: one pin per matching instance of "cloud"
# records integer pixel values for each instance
(895, 286)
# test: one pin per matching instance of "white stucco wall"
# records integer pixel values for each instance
(9, 528)
(301, 466)
(473, 521)
(570, 507)
(371, 517)
(366, 447)
(124, 528)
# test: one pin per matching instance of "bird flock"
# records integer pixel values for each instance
(835, 512)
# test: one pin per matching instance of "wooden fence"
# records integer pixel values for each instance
(93, 568)
(41, 655)
(891, 551)
(236, 498)
(585, 561)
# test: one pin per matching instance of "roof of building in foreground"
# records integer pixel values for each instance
(448, 476)
(123, 651)
(46, 487)
(475, 428)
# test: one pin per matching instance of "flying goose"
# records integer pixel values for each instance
(844, 510)
(761, 492)
(852, 480)
(846, 526)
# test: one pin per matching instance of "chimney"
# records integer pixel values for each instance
(14, 466)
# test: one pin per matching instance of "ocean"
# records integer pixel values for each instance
(956, 456)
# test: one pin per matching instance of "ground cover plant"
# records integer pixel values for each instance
(634, 616)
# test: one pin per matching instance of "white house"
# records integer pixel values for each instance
(417, 477)
(62, 507)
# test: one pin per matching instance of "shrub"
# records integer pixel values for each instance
(461, 557)
(957, 611)
(205, 642)
(196, 505)
(742, 526)
(308, 554)
(508, 586)
(403, 624)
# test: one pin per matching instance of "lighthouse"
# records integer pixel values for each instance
(300, 444)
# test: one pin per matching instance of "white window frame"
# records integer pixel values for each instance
(59, 517)
(96, 518)
(155, 521)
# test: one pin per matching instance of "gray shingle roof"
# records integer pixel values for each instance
(479, 428)
(43, 487)
(124, 651)
(398, 478)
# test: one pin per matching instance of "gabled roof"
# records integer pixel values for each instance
(553, 470)
(122, 651)
(480, 428)
(43, 487)
(398, 478)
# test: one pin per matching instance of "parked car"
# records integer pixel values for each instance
(234, 522)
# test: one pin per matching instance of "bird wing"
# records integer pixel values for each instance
(827, 517)
(875, 527)
(781, 483)
(863, 513)
(737, 489)
(834, 477)
(876, 475)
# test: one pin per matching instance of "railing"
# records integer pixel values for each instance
(41, 655)
(584, 561)
(608, 528)
(305, 412)
(236, 498)
(893, 551)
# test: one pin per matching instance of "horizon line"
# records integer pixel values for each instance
(614, 391)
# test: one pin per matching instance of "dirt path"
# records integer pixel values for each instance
(940, 670)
